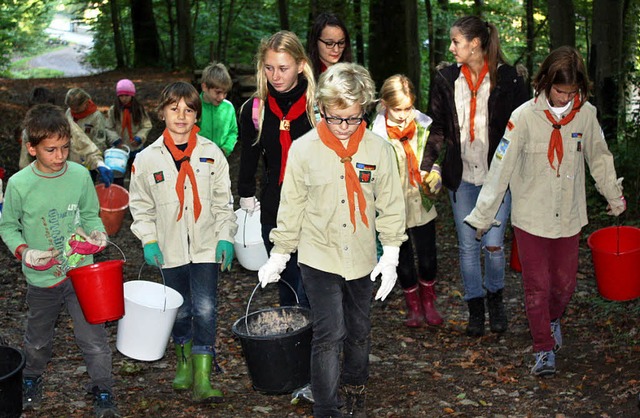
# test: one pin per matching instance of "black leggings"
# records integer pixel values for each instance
(420, 248)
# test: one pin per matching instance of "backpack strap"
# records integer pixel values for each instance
(256, 110)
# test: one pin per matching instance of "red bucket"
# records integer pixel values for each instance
(514, 262)
(100, 290)
(616, 259)
(114, 201)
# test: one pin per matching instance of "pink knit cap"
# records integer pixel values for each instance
(125, 87)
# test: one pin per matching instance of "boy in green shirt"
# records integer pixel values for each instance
(48, 204)
(218, 122)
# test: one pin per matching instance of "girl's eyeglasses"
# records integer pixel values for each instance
(331, 44)
(334, 120)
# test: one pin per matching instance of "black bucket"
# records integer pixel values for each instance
(278, 362)
(11, 364)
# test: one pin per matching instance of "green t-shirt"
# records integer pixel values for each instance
(218, 123)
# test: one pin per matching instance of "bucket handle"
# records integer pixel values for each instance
(246, 314)
(164, 284)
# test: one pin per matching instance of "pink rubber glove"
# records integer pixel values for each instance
(40, 260)
(90, 244)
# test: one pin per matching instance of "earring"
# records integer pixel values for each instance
(473, 51)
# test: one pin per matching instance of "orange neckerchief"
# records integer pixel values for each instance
(404, 137)
(185, 169)
(126, 122)
(351, 178)
(555, 143)
(474, 93)
(296, 110)
(91, 108)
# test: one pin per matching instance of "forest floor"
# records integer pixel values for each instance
(429, 372)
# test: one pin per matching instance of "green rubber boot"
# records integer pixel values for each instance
(202, 390)
(184, 367)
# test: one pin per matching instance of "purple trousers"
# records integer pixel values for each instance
(549, 269)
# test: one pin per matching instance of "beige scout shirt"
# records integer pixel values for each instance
(115, 131)
(544, 204)
(419, 208)
(314, 211)
(82, 150)
(154, 203)
(94, 127)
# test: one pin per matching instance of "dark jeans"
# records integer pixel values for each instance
(291, 275)
(421, 243)
(45, 305)
(197, 317)
(340, 309)
(549, 270)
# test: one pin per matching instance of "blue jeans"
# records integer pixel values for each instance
(291, 275)
(45, 305)
(462, 202)
(340, 310)
(197, 317)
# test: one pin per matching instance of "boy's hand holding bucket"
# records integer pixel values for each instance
(224, 254)
(81, 243)
(152, 254)
(271, 270)
(38, 259)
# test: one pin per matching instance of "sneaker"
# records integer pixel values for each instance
(556, 332)
(31, 392)
(104, 404)
(355, 401)
(545, 364)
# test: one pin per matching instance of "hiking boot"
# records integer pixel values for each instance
(556, 332)
(31, 392)
(355, 401)
(475, 328)
(497, 314)
(103, 404)
(545, 364)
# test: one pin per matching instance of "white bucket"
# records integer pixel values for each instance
(116, 159)
(150, 310)
(249, 247)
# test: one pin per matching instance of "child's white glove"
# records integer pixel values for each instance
(387, 268)
(271, 270)
(249, 204)
(40, 260)
(616, 206)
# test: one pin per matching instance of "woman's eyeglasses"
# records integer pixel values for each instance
(331, 44)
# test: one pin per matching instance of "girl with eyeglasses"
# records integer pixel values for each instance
(340, 188)
(541, 158)
(470, 103)
(328, 43)
(407, 129)
(280, 111)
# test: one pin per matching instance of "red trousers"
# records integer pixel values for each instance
(549, 269)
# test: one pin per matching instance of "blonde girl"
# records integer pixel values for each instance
(407, 129)
(280, 111)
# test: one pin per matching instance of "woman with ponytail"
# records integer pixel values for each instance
(470, 103)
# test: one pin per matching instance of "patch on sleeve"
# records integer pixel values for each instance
(365, 166)
(158, 177)
(502, 148)
(510, 125)
(365, 176)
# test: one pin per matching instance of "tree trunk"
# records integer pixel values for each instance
(531, 47)
(393, 40)
(478, 6)
(606, 62)
(441, 39)
(283, 12)
(145, 34)
(185, 35)
(357, 15)
(117, 34)
(562, 23)
(431, 36)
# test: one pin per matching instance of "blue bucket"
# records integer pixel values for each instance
(116, 159)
